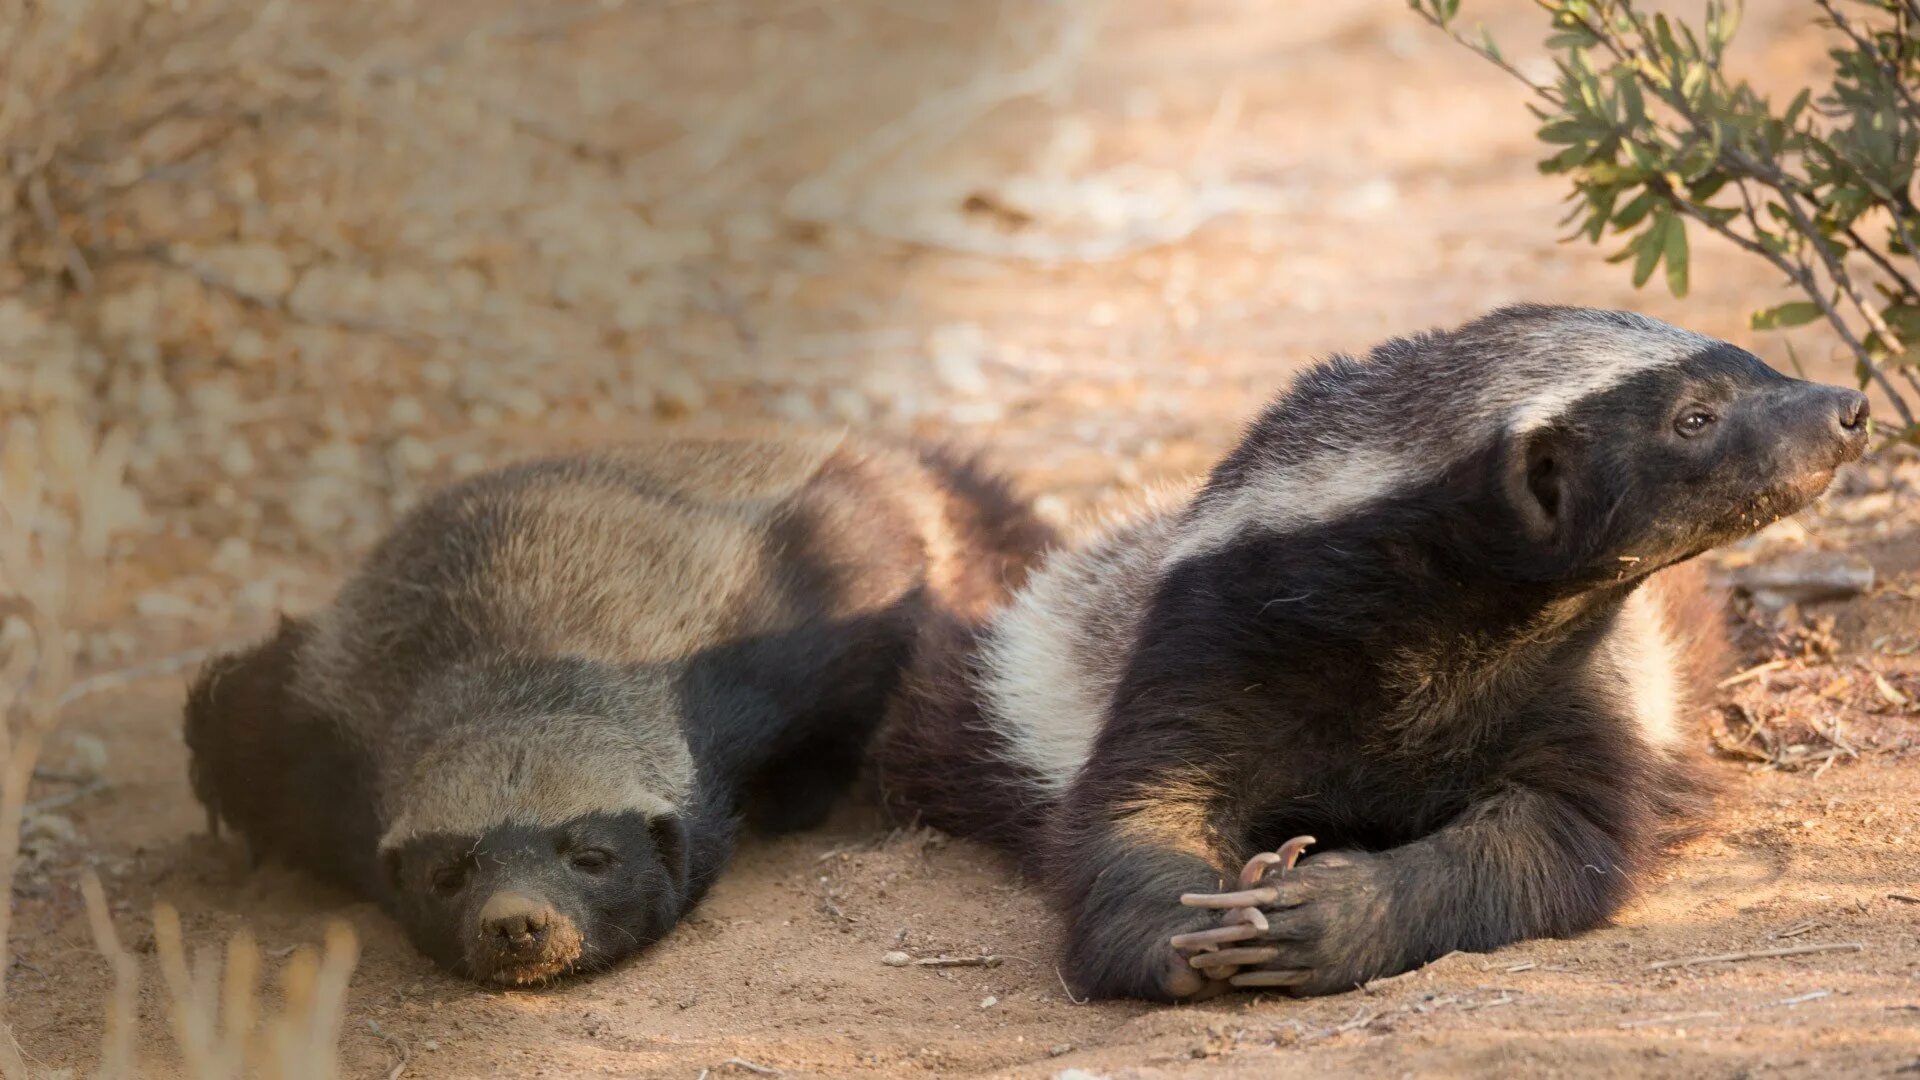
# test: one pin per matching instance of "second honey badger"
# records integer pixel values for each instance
(527, 724)
(1404, 616)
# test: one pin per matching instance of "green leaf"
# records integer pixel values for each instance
(1799, 105)
(1793, 313)
(1566, 132)
(1632, 213)
(1651, 245)
(1676, 252)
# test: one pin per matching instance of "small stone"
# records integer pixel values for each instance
(259, 596)
(89, 755)
(796, 408)
(413, 455)
(406, 412)
(896, 959)
(524, 402)
(163, 605)
(430, 1045)
(976, 412)
(678, 394)
(236, 458)
(957, 349)
(849, 406)
(53, 827)
(989, 1001)
(248, 346)
(1059, 1049)
(232, 554)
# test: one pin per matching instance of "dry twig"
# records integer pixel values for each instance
(1757, 954)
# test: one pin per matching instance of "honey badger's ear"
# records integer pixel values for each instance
(1537, 481)
(669, 834)
(390, 869)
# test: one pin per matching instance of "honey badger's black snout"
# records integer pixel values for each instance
(521, 938)
(1828, 422)
(516, 925)
(1804, 431)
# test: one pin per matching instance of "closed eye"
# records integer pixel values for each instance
(591, 860)
(450, 880)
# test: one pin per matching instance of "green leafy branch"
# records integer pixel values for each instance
(1657, 139)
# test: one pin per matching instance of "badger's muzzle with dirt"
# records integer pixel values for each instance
(1423, 613)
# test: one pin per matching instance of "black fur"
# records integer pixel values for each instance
(283, 774)
(1415, 681)
(775, 713)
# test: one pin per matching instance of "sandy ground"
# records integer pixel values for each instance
(1370, 179)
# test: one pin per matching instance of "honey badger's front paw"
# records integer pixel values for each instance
(1316, 928)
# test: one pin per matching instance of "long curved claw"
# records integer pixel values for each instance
(1234, 957)
(1251, 894)
(1289, 852)
(1256, 868)
(1286, 977)
(1219, 935)
(1252, 916)
(1244, 898)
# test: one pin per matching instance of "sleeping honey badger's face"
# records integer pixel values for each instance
(1676, 458)
(540, 834)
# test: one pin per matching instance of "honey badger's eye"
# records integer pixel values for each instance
(449, 880)
(1692, 422)
(591, 860)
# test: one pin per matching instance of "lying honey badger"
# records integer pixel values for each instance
(527, 724)
(1404, 615)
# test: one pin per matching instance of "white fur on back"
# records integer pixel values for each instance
(1052, 659)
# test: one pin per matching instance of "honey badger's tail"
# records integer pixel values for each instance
(281, 773)
(938, 761)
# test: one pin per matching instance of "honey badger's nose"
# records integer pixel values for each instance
(1850, 413)
(515, 923)
(1853, 412)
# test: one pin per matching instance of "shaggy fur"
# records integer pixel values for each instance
(560, 683)
(1404, 615)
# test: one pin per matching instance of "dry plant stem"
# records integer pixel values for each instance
(1800, 273)
(1758, 954)
(190, 1009)
(116, 1048)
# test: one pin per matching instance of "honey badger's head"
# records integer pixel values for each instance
(536, 829)
(1694, 443)
(1555, 450)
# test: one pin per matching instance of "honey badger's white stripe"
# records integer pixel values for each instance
(1640, 652)
(570, 767)
(1538, 372)
(1052, 659)
(627, 562)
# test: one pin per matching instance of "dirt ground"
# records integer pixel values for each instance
(1098, 275)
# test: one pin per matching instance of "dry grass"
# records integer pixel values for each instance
(103, 106)
(62, 499)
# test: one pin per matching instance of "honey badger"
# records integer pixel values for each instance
(527, 724)
(1404, 615)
